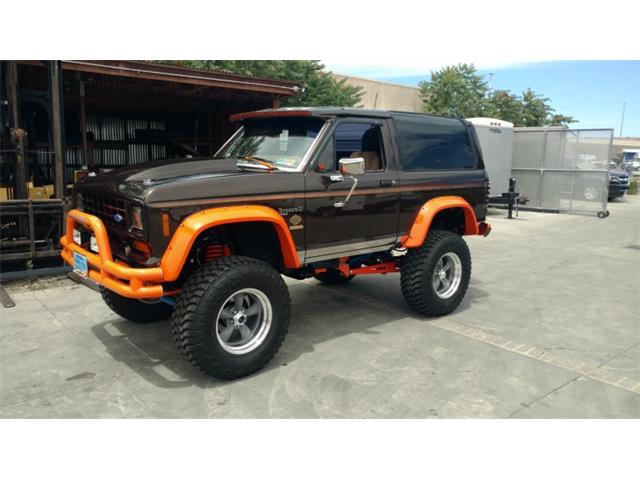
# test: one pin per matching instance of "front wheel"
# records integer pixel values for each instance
(434, 277)
(232, 316)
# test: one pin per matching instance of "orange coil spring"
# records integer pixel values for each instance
(211, 252)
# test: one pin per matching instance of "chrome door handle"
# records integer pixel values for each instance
(334, 177)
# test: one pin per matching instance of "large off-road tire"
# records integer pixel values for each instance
(425, 287)
(134, 310)
(333, 277)
(232, 316)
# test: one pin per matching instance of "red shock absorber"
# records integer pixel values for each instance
(211, 252)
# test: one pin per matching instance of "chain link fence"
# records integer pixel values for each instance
(562, 170)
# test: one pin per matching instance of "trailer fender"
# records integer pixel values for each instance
(421, 224)
(178, 250)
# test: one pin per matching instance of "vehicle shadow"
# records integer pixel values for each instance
(319, 314)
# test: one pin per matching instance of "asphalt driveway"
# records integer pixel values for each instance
(550, 327)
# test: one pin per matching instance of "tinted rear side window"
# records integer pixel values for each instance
(432, 143)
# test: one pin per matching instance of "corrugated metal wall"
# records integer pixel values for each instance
(385, 96)
(114, 142)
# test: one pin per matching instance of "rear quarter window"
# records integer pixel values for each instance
(433, 143)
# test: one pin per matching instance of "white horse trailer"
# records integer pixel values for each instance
(496, 142)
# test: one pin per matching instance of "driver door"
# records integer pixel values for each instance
(368, 221)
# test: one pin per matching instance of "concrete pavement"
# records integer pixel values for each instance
(550, 328)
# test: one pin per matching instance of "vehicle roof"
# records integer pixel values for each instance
(331, 111)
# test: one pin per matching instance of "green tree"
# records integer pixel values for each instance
(529, 110)
(535, 109)
(560, 120)
(319, 87)
(458, 91)
(504, 105)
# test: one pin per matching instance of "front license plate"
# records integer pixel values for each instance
(80, 264)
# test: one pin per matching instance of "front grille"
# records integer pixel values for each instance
(111, 211)
(620, 180)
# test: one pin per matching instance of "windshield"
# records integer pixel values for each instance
(282, 142)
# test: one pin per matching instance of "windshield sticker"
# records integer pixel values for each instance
(287, 162)
(284, 140)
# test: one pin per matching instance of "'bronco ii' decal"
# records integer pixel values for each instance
(287, 211)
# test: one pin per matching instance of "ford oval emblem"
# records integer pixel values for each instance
(118, 218)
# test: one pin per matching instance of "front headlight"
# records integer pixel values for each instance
(136, 217)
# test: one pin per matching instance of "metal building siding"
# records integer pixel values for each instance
(385, 96)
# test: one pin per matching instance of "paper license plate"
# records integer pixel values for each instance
(80, 264)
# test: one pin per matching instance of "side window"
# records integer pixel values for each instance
(351, 140)
(432, 143)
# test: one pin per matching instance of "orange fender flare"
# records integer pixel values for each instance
(420, 227)
(178, 250)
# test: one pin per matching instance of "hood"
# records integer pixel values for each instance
(618, 173)
(185, 180)
(160, 171)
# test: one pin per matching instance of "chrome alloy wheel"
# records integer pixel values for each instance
(244, 321)
(447, 275)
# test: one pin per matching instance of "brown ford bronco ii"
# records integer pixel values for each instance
(329, 193)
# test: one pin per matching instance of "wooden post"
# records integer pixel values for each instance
(210, 133)
(2, 100)
(55, 83)
(20, 179)
(276, 102)
(12, 91)
(83, 127)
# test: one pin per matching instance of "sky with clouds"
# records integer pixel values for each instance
(594, 92)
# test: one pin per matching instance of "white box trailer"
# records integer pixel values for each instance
(496, 142)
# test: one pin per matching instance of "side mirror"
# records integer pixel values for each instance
(351, 166)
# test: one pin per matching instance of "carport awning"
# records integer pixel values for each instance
(144, 86)
(174, 74)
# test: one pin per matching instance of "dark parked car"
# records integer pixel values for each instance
(618, 183)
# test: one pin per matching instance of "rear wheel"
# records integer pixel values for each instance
(333, 277)
(232, 316)
(434, 278)
(134, 310)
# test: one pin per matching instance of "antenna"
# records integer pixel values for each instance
(624, 104)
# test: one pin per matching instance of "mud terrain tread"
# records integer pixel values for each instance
(187, 328)
(416, 289)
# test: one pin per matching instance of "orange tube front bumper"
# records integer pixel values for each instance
(119, 277)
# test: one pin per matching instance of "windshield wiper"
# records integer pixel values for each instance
(261, 161)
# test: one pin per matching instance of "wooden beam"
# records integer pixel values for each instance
(162, 74)
(83, 126)
(55, 83)
(19, 135)
(12, 91)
